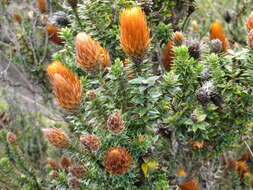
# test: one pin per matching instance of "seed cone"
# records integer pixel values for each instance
(216, 32)
(53, 34)
(77, 171)
(74, 183)
(190, 185)
(249, 22)
(90, 56)
(65, 162)
(117, 160)
(54, 164)
(168, 55)
(134, 33)
(11, 138)
(56, 137)
(67, 87)
(90, 142)
(42, 5)
(115, 123)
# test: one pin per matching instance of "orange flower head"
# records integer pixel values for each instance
(90, 56)
(90, 142)
(42, 5)
(78, 171)
(54, 164)
(168, 54)
(67, 87)
(177, 38)
(190, 185)
(216, 32)
(181, 172)
(198, 144)
(249, 22)
(65, 162)
(17, 18)
(115, 123)
(53, 34)
(11, 138)
(134, 32)
(117, 160)
(56, 137)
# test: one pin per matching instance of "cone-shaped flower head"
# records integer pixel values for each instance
(67, 87)
(90, 56)
(42, 5)
(115, 123)
(77, 171)
(11, 138)
(134, 32)
(90, 142)
(56, 137)
(190, 185)
(53, 34)
(168, 55)
(249, 22)
(65, 162)
(216, 32)
(117, 160)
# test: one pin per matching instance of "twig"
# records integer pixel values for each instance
(248, 148)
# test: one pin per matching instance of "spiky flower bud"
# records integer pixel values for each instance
(17, 18)
(250, 39)
(216, 32)
(53, 34)
(168, 54)
(134, 33)
(117, 160)
(11, 138)
(53, 163)
(74, 183)
(65, 162)
(193, 48)
(78, 171)
(42, 5)
(177, 38)
(216, 46)
(91, 95)
(190, 185)
(205, 74)
(115, 123)
(249, 22)
(67, 87)
(73, 3)
(56, 137)
(90, 56)
(90, 142)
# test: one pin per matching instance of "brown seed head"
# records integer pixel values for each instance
(74, 183)
(90, 56)
(115, 123)
(78, 171)
(53, 34)
(117, 160)
(134, 32)
(90, 142)
(53, 163)
(168, 55)
(56, 137)
(17, 18)
(65, 162)
(67, 87)
(11, 138)
(177, 38)
(42, 5)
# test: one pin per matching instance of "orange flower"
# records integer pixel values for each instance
(168, 55)
(17, 17)
(117, 160)
(177, 38)
(198, 144)
(11, 138)
(53, 34)
(181, 172)
(216, 32)
(134, 32)
(42, 5)
(67, 87)
(56, 137)
(249, 22)
(190, 185)
(90, 56)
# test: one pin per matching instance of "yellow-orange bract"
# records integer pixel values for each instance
(56, 137)
(42, 5)
(190, 185)
(168, 55)
(67, 87)
(53, 34)
(134, 32)
(216, 32)
(89, 54)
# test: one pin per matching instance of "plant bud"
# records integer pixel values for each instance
(78, 171)
(168, 55)
(53, 34)
(56, 137)
(216, 46)
(115, 123)
(177, 38)
(91, 95)
(194, 49)
(11, 138)
(90, 142)
(54, 164)
(42, 5)
(65, 162)
(216, 32)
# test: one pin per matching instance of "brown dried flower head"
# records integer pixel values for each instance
(67, 87)
(90, 56)
(117, 160)
(78, 171)
(42, 5)
(65, 162)
(74, 183)
(53, 163)
(90, 142)
(11, 138)
(177, 38)
(53, 34)
(91, 95)
(168, 55)
(115, 123)
(134, 32)
(56, 137)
